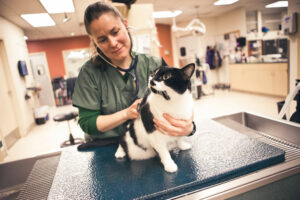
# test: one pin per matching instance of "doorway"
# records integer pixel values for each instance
(9, 129)
(41, 76)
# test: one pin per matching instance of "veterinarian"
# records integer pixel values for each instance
(111, 84)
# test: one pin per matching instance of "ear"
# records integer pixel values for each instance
(125, 22)
(163, 62)
(188, 70)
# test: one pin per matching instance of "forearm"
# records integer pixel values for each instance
(107, 122)
(93, 122)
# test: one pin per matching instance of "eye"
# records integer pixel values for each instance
(101, 40)
(154, 72)
(166, 76)
(115, 31)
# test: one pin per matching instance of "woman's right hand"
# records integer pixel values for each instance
(109, 122)
(131, 111)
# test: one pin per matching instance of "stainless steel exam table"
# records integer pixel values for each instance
(237, 156)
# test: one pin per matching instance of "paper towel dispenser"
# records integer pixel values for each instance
(289, 24)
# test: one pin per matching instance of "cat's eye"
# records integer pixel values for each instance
(154, 72)
(166, 76)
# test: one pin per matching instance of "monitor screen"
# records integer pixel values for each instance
(241, 42)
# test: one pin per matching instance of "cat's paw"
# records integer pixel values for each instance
(171, 167)
(120, 153)
(184, 145)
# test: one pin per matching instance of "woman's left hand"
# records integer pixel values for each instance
(175, 127)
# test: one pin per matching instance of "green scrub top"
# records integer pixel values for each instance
(101, 89)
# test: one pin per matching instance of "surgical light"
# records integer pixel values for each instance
(58, 6)
(38, 19)
(166, 14)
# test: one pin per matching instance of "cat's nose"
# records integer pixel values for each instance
(152, 83)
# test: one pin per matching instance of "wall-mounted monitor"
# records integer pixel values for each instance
(241, 42)
(22, 68)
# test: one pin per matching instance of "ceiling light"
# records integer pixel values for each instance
(166, 14)
(67, 18)
(278, 4)
(72, 34)
(224, 2)
(58, 6)
(39, 19)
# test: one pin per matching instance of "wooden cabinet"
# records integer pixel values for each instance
(264, 78)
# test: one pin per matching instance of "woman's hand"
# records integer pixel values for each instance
(175, 127)
(131, 112)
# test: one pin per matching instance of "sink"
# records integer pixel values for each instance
(278, 133)
(260, 126)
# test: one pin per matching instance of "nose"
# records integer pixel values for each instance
(152, 83)
(112, 41)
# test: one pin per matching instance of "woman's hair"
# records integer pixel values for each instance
(93, 12)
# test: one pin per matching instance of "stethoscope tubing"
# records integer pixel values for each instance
(135, 76)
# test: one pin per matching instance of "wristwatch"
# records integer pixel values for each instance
(194, 129)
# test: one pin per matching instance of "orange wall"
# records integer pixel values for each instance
(53, 49)
(164, 37)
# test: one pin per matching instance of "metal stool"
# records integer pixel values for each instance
(68, 117)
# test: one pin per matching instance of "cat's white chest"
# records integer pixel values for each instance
(178, 109)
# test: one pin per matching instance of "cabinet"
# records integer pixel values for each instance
(263, 78)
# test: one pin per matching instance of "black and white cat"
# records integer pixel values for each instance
(170, 93)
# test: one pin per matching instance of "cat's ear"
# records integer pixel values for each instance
(188, 70)
(163, 62)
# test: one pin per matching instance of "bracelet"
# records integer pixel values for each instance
(194, 129)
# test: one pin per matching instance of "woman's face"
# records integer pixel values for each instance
(111, 36)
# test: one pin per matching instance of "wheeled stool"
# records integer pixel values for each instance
(67, 117)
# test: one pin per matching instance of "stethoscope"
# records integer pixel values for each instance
(129, 71)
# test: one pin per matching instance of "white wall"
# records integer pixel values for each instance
(232, 21)
(141, 19)
(16, 49)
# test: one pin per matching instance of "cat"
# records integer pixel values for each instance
(170, 92)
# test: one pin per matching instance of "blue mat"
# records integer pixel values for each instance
(218, 154)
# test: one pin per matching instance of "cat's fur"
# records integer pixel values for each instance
(172, 96)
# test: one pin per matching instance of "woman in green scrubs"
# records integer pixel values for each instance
(105, 92)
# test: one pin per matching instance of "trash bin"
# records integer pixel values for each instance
(41, 115)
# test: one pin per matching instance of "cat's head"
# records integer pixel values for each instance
(169, 81)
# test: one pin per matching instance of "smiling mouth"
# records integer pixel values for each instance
(118, 50)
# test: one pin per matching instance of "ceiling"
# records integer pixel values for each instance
(12, 9)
